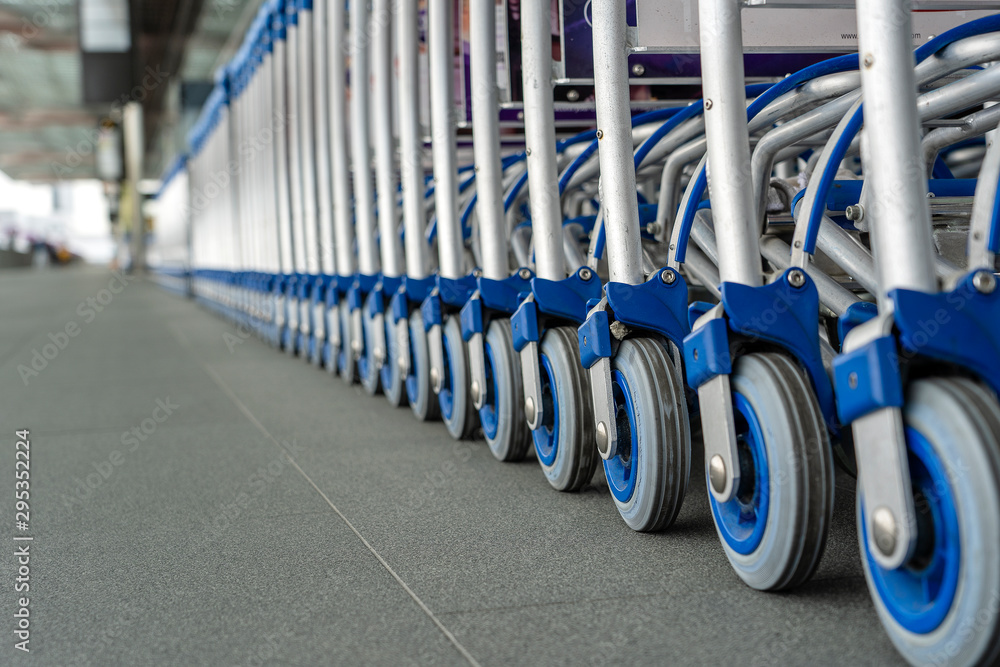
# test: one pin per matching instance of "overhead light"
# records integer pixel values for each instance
(104, 26)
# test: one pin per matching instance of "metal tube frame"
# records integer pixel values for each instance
(614, 131)
(540, 140)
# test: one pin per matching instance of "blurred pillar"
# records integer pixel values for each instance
(132, 135)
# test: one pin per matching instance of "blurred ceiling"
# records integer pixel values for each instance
(47, 132)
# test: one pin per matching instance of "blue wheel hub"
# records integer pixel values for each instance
(621, 469)
(546, 436)
(920, 594)
(446, 397)
(488, 414)
(742, 520)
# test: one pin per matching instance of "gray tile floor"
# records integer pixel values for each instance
(380, 541)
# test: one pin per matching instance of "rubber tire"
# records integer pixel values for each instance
(798, 451)
(425, 406)
(961, 421)
(513, 437)
(392, 377)
(348, 367)
(464, 420)
(662, 425)
(576, 449)
(371, 382)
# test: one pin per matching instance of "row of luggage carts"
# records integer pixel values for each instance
(592, 230)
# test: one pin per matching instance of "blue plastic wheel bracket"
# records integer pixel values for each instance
(960, 327)
(303, 286)
(456, 291)
(430, 310)
(524, 325)
(868, 379)
(344, 283)
(471, 318)
(706, 353)
(504, 295)
(417, 289)
(355, 297)
(366, 281)
(595, 338)
(567, 298)
(390, 284)
(375, 303)
(653, 305)
(399, 306)
(856, 314)
(784, 315)
(332, 293)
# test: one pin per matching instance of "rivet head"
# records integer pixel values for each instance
(854, 213)
(573, 95)
(529, 409)
(869, 60)
(884, 530)
(586, 274)
(638, 69)
(602, 437)
(527, 151)
(852, 380)
(600, 134)
(668, 277)
(695, 354)
(524, 274)
(984, 282)
(708, 104)
(717, 473)
(796, 278)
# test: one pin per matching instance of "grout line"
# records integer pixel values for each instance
(420, 603)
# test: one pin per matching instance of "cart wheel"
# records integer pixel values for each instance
(502, 417)
(775, 529)
(418, 382)
(367, 368)
(564, 442)
(942, 606)
(392, 377)
(348, 368)
(457, 411)
(649, 474)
